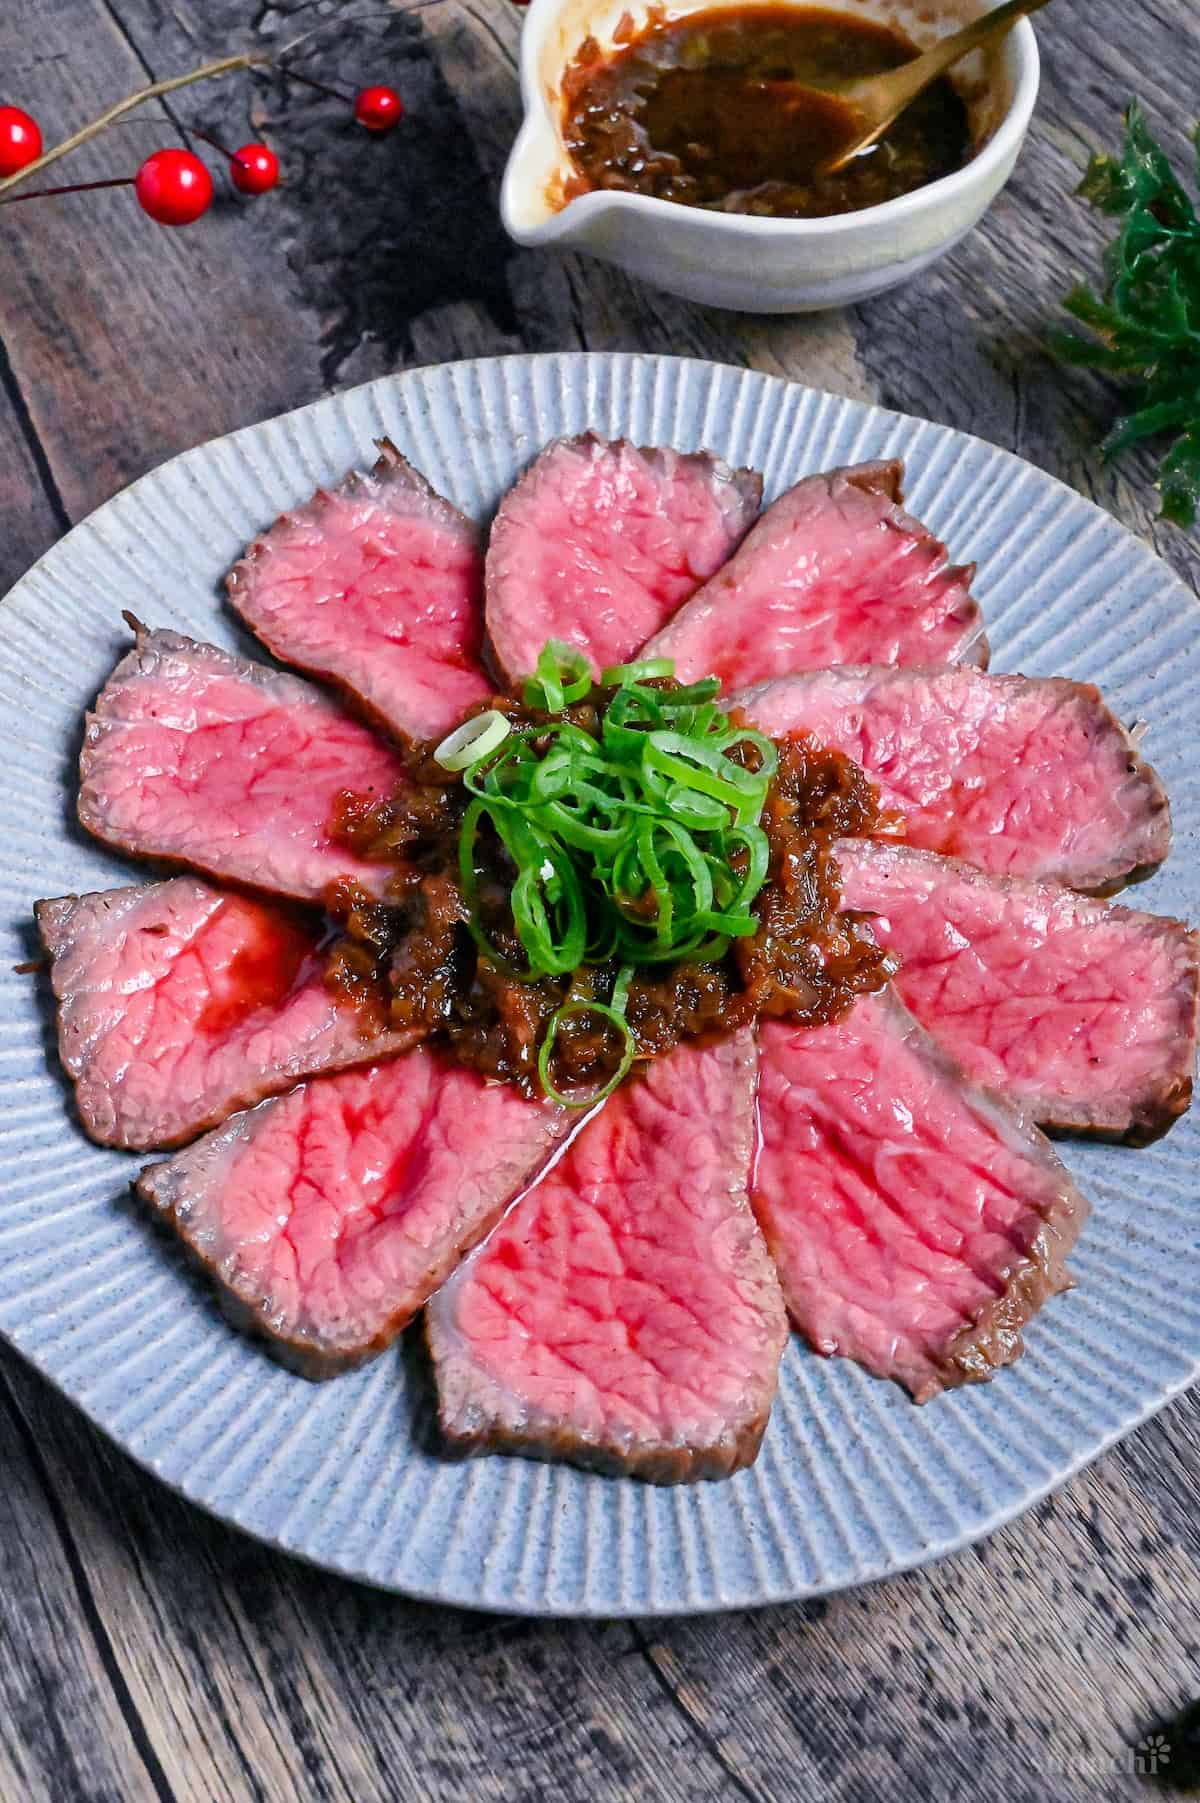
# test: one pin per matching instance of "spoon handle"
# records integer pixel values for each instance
(901, 86)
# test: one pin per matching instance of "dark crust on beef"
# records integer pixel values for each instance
(466, 1432)
(884, 477)
(53, 917)
(993, 1339)
(1155, 1115)
(479, 1413)
(150, 642)
(746, 483)
(887, 478)
(1158, 804)
(1156, 1112)
(305, 1357)
(1141, 873)
(1157, 807)
(392, 469)
(159, 1186)
(301, 1358)
(1152, 1114)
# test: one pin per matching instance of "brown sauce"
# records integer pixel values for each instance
(409, 960)
(700, 110)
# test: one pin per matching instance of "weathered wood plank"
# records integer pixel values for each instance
(63, 1732)
(1039, 1661)
(31, 512)
(157, 315)
(1031, 1667)
(256, 1677)
(262, 304)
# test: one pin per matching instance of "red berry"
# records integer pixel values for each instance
(20, 140)
(378, 108)
(174, 187)
(254, 169)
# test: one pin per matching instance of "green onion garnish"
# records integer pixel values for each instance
(639, 842)
(472, 741)
(563, 676)
(614, 1014)
(617, 675)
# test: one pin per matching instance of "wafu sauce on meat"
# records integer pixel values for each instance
(410, 961)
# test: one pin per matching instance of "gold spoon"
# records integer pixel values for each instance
(878, 100)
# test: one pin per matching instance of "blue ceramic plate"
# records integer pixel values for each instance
(853, 1482)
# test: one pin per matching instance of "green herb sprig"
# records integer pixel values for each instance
(1145, 324)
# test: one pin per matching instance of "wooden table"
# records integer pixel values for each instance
(145, 1651)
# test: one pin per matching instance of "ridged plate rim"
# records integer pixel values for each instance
(853, 1484)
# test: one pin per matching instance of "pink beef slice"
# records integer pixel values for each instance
(197, 757)
(599, 543)
(378, 585)
(1082, 1013)
(835, 572)
(625, 1314)
(917, 1223)
(329, 1215)
(1021, 776)
(178, 1004)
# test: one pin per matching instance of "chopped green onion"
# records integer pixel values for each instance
(562, 677)
(701, 767)
(738, 926)
(617, 675)
(768, 756)
(639, 840)
(756, 843)
(546, 1052)
(691, 808)
(471, 742)
(688, 696)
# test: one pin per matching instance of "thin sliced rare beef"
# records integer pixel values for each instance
(1022, 776)
(835, 572)
(178, 1004)
(378, 585)
(329, 1215)
(599, 543)
(194, 756)
(624, 1314)
(917, 1223)
(1082, 1013)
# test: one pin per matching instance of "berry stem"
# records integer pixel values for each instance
(116, 181)
(322, 87)
(206, 137)
(224, 65)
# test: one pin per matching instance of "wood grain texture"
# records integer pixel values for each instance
(65, 1719)
(148, 1652)
(31, 511)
